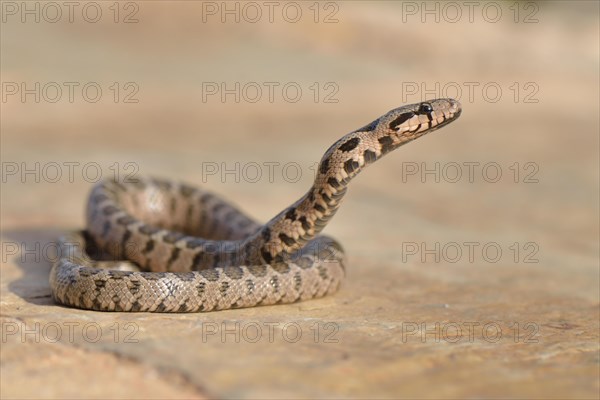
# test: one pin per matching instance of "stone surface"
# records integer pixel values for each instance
(414, 318)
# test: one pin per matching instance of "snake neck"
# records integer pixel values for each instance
(290, 230)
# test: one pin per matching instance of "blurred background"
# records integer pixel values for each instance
(492, 220)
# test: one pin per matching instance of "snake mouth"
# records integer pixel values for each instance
(422, 129)
(447, 120)
(454, 114)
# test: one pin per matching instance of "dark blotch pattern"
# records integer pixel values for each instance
(304, 222)
(87, 272)
(333, 182)
(125, 239)
(386, 143)
(173, 237)
(182, 308)
(250, 286)
(291, 214)
(210, 275)
(350, 144)
(275, 284)
(148, 230)
(154, 276)
(323, 272)
(351, 166)
(200, 287)
(162, 184)
(193, 243)
(324, 166)
(325, 197)
(187, 276)
(186, 191)
(110, 210)
(258, 271)
(149, 247)
(400, 120)
(119, 274)
(233, 272)
(126, 220)
(224, 288)
(206, 197)
(100, 284)
(369, 156)
(319, 208)
(286, 239)
(282, 268)
(266, 234)
(266, 255)
(297, 281)
(369, 127)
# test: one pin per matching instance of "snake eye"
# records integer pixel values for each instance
(425, 108)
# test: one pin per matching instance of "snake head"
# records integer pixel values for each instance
(415, 120)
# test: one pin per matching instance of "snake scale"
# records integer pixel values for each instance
(198, 253)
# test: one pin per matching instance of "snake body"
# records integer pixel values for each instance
(200, 253)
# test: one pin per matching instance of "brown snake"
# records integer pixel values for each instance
(204, 253)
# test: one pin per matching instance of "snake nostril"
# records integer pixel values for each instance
(455, 105)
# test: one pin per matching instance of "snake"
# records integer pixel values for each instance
(159, 245)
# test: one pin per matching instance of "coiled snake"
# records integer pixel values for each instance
(204, 254)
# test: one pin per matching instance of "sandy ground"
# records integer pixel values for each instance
(473, 253)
